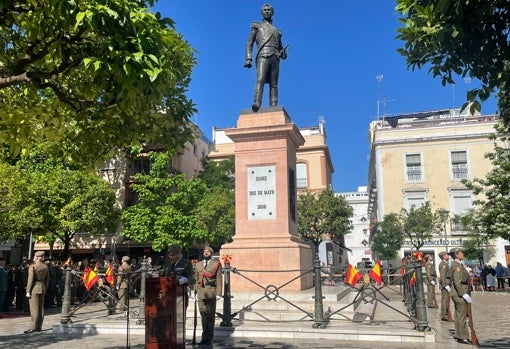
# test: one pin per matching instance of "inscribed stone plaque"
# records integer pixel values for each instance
(261, 192)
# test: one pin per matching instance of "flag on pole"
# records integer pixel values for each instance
(108, 275)
(412, 281)
(353, 275)
(90, 277)
(375, 273)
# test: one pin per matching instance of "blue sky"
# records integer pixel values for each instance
(337, 50)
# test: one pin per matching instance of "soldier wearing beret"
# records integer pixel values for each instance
(209, 286)
(445, 283)
(37, 283)
(461, 296)
(431, 280)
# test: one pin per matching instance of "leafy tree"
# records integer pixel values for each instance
(469, 38)
(219, 174)
(53, 203)
(216, 211)
(165, 212)
(322, 213)
(492, 216)
(420, 224)
(89, 207)
(88, 77)
(465, 37)
(388, 237)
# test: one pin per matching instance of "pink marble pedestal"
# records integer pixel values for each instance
(266, 236)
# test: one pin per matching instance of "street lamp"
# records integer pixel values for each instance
(444, 217)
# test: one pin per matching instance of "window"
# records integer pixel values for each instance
(459, 165)
(414, 198)
(301, 178)
(413, 168)
(142, 165)
(462, 201)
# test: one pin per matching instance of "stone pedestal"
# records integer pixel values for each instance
(266, 236)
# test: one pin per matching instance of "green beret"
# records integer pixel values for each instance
(39, 254)
(209, 248)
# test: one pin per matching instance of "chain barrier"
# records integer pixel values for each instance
(367, 295)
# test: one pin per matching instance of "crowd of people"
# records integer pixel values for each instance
(456, 281)
(39, 284)
(490, 278)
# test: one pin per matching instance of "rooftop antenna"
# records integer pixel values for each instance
(379, 78)
(322, 121)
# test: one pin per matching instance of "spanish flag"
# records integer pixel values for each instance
(90, 277)
(412, 281)
(375, 273)
(108, 275)
(353, 275)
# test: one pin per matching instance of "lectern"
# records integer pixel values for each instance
(164, 314)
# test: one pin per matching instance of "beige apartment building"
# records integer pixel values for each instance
(423, 157)
(120, 172)
(314, 169)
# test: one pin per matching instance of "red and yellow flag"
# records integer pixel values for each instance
(90, 277)
(375, 273)
(353, 275)
(108, 275)
(412, 281)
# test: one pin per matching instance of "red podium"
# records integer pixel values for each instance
(164, 314)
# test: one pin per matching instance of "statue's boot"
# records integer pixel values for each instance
(257, 100)
(273, 97)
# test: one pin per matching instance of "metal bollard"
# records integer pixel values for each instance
(143, 278)
(421, 309)
(66, 301)
(227, 297)
(319, 304)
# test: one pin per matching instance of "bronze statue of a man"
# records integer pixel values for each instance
(269, 52)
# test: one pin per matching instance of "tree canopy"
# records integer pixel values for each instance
(86, 78)
(388, 237)
(323, 213)
(464, 37)
(53, 203)
(419, 224)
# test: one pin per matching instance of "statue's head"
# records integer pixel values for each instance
(267, 11)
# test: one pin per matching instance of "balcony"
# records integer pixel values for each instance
(459, 171)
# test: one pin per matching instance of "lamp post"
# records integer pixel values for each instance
(444, 217)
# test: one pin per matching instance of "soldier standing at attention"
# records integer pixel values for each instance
(123, 278)
(461, 296)
(269, 52)
(209, 286)
(445, 282)
(37, 283)
(431, 281)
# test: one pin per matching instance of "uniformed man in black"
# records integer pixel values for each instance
(269, 52)
(180, 268)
